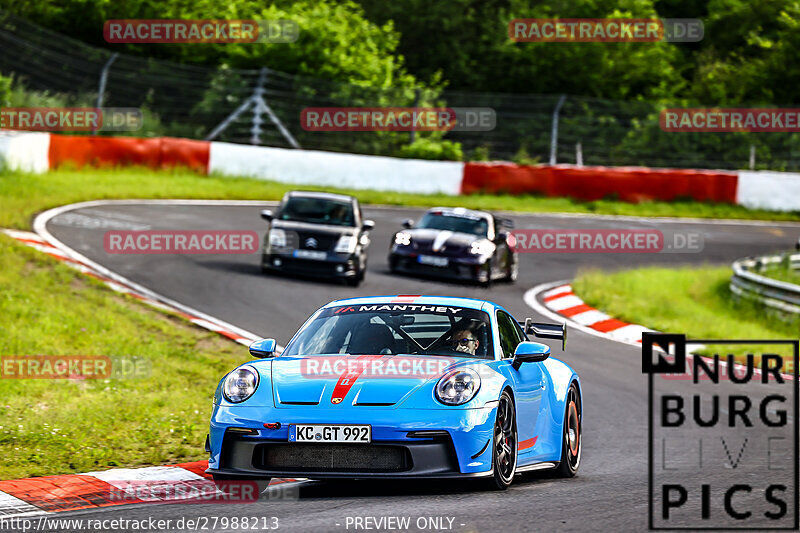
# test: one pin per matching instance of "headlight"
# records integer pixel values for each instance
(346, 244)
(483, 247)
(458, 386)
(240, 384)
(277, 238)
(403, 238)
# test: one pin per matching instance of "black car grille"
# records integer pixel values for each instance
(299, 457)
(308, 267)
(322, 241)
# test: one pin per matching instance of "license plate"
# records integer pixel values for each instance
(310, 254)
(432, 260)
(330, 433)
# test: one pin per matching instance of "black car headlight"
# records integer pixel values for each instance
(277, 238)
(240, 384)
(402, 238)
(482, 247)
(458, 386)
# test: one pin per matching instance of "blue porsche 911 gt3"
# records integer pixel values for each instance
(400, 387)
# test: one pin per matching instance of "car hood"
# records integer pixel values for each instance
(354, 380)
(331, 229)
(425, 240)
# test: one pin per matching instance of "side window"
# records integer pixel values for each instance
(510, 334)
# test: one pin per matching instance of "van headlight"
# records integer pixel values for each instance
(346, 244)
(240, 384)
(458, 386)
(277, 238)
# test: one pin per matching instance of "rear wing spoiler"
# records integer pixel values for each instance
(546, 331)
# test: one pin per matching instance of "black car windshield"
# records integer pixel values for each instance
(390, 329)
(458, 223)
(318, 211)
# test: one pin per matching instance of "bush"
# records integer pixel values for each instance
(435, 149)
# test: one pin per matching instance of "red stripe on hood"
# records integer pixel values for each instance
(347, 380)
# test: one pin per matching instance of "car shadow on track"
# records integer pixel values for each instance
(407, 487)
(254, 270)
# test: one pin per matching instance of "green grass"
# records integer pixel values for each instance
(694, 301)
(23, 195)
(782, 273)
(52, 426)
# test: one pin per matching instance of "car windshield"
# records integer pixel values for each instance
(459, 223)
(318, 211)
(390, 329)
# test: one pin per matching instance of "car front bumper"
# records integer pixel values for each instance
(460, 448)
(462, 268)
(334, 265)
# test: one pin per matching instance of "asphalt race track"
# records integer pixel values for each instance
(610, 491)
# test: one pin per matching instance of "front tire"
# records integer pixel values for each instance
(504, 444)
(571, 434)
(485, 275)
(513, 270)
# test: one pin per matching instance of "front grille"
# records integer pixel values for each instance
(301, 457)
(308, 266)
(324, 241)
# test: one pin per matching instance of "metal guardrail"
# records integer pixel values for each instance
(771, 292)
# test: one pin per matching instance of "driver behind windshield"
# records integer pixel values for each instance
(464, 341)
(395, 328)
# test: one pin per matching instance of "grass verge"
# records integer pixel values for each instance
(58, 426)
(23, 195)
(694, 301)
(782, 272)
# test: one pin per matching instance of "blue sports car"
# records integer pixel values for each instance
(400, 387)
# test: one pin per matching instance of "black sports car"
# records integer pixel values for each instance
(317, 234)
(456, 243)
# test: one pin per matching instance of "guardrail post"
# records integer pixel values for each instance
(554, 129)
(101, 89)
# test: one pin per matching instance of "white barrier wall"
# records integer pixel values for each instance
(775, 191)
(25, 151)
(350, 171)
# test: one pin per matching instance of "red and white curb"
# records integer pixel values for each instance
(73, 492)
(560, 303)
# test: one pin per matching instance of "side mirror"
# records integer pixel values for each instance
(263, 348)
(530, 352)
(368, 225)
(501, 236)
(407, 223)
(267, 215)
